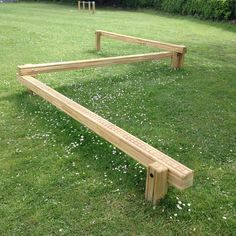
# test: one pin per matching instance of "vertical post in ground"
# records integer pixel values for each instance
(83, 5)
(28, 90)
(89, 6)
(78, 5)
(177, 60)
(98, 40)
(156, 182)
(93, 7)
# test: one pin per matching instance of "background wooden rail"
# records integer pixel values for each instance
(147, 42)
(89, 3)
(178, 175)
(178, 51)
(71, 65)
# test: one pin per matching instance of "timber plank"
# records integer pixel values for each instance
(147, 42)
(31, 69)
(179, 175)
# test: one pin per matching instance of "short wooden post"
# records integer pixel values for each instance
(83, 5)
(78, 5)
(89, 6)
(29, 90)
(93, 7)
(98, 41)
(156, 182)
(177, 60)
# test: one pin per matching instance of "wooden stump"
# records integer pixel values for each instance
(93, 7)
(177, 60)
(98, 41)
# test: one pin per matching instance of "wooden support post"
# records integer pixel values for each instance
(177, 60)
(89, 6)
(98, 41)
(30, 92)
(78, 5)
(93, 7)
(28, 89)
(156, 182)
(83, 5)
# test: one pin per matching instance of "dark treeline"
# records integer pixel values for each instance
(207, 9)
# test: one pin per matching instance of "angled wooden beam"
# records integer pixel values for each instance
(147, 42)
(31, 69)
(179, 175)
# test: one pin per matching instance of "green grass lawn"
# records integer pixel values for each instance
(59, 178)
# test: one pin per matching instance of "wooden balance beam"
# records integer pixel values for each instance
(30, 69)
(161, 169)
(178, 51)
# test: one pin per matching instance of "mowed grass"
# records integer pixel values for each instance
(59, 178)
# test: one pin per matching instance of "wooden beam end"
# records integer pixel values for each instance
(177, 60)
(156, 182)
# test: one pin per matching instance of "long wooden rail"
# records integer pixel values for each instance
(178, 51)
(147, 42)
(72, 65)
(178, 175)
(161, 169)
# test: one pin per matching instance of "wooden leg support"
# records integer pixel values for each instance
(89, 6)
(177, 60)
(156, 182)
(98, 41)
(30, 91)
(93, 7)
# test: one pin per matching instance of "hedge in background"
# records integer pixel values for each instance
(207, 9)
